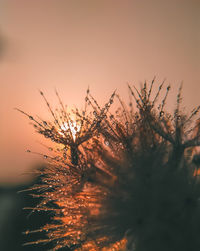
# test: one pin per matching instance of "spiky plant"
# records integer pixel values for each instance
(133, 186)
(154, 199)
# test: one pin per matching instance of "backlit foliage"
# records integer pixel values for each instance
(123, 180)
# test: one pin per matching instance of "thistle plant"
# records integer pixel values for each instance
(129, 180)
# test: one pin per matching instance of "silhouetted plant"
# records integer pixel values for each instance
(154, 199)
(73, 128)
(132, 186)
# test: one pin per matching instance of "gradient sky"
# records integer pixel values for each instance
(71, 45)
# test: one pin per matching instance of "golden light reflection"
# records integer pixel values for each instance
(71, 126)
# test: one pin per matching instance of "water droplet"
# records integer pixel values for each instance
(45, 156)
(161, 113)
(28, 151)
(168, 88)
(106, 142)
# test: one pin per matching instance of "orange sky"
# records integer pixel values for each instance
(72, 44)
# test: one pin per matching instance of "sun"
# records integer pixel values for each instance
(72, 126)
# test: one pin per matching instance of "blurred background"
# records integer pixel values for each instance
(70, 45)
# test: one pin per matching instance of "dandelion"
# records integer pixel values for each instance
(154, 200)
(68, 131)
(130, 181)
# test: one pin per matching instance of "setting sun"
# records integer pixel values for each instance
(71, 126)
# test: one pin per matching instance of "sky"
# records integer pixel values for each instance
(70, 45)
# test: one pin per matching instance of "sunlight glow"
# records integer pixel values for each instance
(73, 127)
